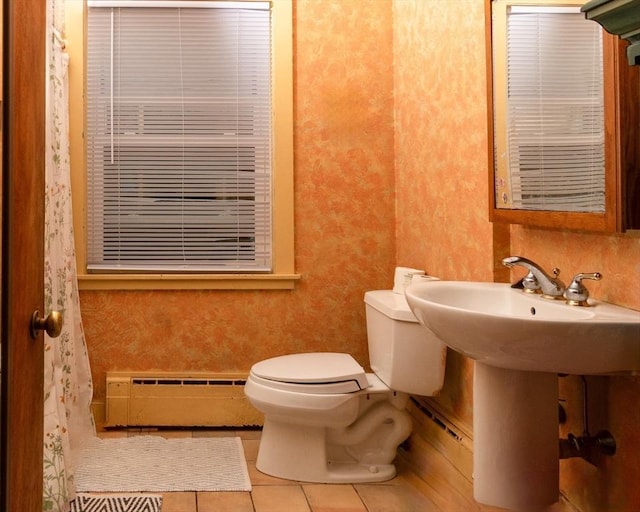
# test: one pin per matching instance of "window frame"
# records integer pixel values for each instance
(283, 275)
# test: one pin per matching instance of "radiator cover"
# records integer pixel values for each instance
(170, 399)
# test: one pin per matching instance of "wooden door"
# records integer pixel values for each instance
(23, 108)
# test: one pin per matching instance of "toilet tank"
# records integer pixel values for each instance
(402, 353)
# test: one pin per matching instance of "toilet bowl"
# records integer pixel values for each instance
(326, 419)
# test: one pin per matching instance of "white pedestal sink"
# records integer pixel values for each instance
(520, 342)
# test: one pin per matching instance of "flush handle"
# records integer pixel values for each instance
(52, 324)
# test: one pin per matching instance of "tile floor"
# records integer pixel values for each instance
(407, 492)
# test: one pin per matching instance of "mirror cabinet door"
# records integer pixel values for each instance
(621, 94)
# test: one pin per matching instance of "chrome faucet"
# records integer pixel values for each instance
(537, 279)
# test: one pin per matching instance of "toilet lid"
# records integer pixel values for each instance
(327, 372)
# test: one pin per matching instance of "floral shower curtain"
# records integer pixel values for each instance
(68, 388)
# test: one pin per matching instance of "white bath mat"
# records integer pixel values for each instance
(118, 503)
(154, 464)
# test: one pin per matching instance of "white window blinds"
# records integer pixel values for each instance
(555, 110)
(179, 136)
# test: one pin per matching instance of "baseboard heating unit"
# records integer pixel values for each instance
(169, 399)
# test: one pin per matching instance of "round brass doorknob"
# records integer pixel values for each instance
(52, 323)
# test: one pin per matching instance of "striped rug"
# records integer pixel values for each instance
(116, 503)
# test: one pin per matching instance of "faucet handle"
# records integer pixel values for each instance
(530, 284)
(576, 293)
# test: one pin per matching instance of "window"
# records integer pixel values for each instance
(549, 108)
(185, 162)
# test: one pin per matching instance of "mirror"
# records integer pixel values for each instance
(564, 147)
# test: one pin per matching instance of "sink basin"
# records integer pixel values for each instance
(507, 328)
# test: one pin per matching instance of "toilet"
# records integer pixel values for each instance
(326, 420)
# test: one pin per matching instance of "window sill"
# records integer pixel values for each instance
(187, 281)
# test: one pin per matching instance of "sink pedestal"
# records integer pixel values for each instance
(515, 438)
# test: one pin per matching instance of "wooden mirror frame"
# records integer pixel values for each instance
(622, 149)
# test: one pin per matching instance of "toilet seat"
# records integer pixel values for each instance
(313, 373)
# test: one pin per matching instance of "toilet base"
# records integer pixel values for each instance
(299, 453)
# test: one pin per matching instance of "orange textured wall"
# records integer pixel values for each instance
(441, 155)
(442, 225)
(344, 203)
